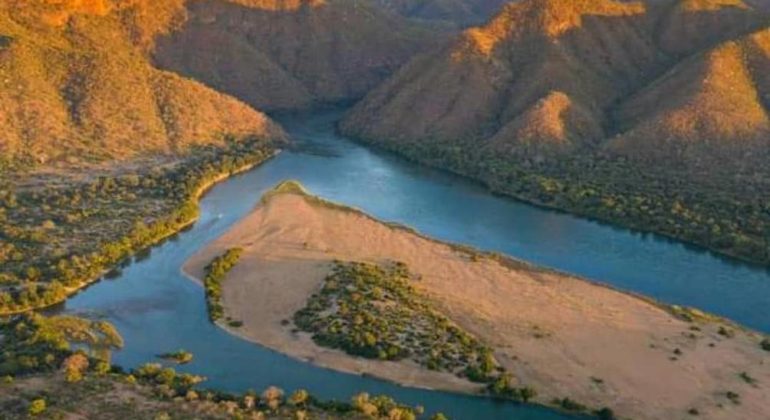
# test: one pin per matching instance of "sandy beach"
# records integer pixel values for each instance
(562, 335)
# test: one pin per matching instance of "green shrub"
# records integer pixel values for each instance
(37, 407)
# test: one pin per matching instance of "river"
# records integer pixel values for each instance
(157, 309)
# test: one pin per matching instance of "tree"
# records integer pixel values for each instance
(299, 397)
(74, 366)
(527, 393)
(272, 397)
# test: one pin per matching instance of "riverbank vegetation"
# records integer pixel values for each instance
(723, 212)
(180, 356)
(216, 272)
(375, 312)
(55, 368)
(34, 343)
(55, 239)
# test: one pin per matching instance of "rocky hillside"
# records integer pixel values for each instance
(712, 107)
(291, 54)
(77, 87)
(460, 12)
(546, 78)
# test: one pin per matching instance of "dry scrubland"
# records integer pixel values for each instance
(563, 336)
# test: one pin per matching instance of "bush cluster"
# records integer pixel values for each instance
(216, 272)
(715, 209)
(375, 312)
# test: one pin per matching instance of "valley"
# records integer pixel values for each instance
(143, 136)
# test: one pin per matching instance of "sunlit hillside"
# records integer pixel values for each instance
(555, 76)
(79, 88)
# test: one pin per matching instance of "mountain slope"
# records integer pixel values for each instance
(589, 52)
(544, 78)
(277, 55)
(78, 88)
(712, 107)
(691, 25)
(461, 12)
(653, 116)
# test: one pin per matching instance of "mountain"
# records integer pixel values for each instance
(460, 12)
(532, 63)
(279, 55)
(550, 78)
(78, 87)
(713, 108)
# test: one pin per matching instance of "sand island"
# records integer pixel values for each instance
(555, 339)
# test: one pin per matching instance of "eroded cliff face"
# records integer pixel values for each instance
(292, 54)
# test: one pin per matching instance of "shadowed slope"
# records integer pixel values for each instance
(713, 106)
(291, 57)
(691, 25)
(461, 12)
(590, 52)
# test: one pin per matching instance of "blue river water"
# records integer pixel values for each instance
(157, 309)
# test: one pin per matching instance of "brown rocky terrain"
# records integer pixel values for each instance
(549, 77)
(715, 104)
(461, 12)
(289, 55)
(77, 87)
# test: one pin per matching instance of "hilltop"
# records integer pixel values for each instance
(546, 76)
(87, 79)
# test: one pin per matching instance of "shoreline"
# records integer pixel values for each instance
(197, 195)
(730, 257)
(305, 350)
(464, 387)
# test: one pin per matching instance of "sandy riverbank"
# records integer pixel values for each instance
(564, 336)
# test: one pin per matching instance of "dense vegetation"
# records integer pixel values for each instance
(216, 272)
(56, 381)
(58, 238)
(720, 213)
(34, 343)
(374, 311)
